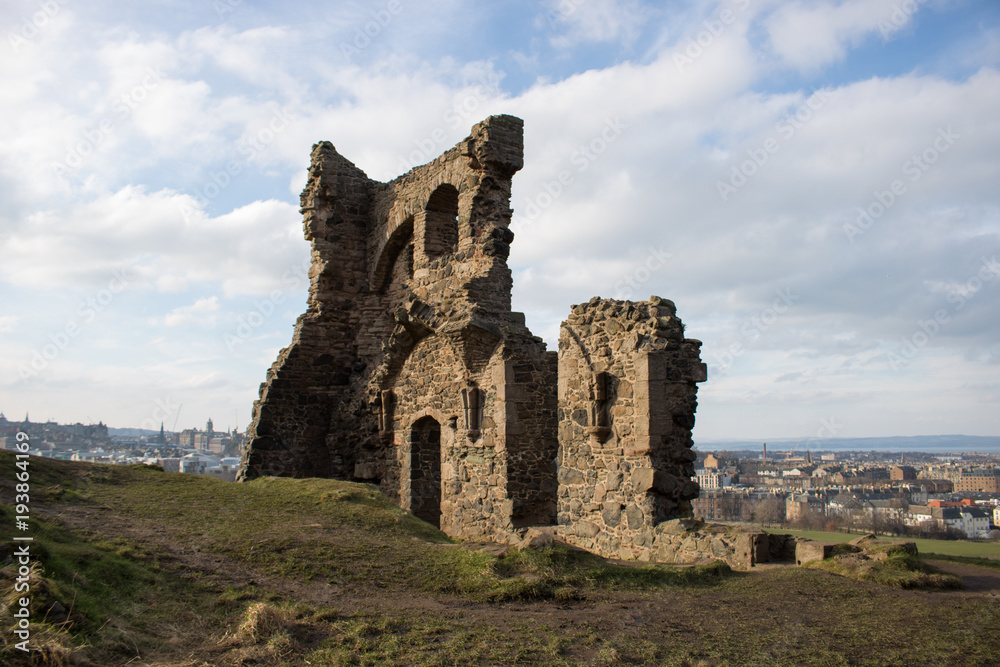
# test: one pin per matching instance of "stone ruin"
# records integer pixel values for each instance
(408, 370)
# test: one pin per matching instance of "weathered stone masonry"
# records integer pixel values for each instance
(627, 398)
(409, 370)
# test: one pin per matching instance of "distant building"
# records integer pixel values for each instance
(973, 522)
(843, 478)
(800, 505)
(936, 486)
(209, 440)
(965, 502)
(170, 464)
(712, 462)
(710, 479)
(980, 481)
(902, 473)
(844, 504)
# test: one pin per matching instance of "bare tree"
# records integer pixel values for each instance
(769, 512)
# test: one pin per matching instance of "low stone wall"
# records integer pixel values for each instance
(684, 542)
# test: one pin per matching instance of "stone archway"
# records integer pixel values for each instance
(425, 470)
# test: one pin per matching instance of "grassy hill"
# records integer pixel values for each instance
(136, 566)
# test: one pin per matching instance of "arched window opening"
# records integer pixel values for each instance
(441, 222)
(395, 263)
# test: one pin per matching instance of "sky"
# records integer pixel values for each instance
(816, 185)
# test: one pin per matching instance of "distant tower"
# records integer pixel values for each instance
(26, 419)
(208, 426)
(764, 457)
(162, 438)
(809, 456)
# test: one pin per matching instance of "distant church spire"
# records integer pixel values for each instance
(162, 439)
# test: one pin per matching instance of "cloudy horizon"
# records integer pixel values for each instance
(815, 185)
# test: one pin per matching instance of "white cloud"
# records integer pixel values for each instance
(8, 323)
(201, 312)
(155, 195)
(808, 35)
(250, 250)
(170, 284)
(593, 21)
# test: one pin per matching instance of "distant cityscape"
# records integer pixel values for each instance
(195, 451)
(914, 493)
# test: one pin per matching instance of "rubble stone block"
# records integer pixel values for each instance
(809, 550)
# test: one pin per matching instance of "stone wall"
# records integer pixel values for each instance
(297, 429)
(409, 370)
(627, 397)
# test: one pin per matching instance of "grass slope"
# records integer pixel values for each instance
(137, 566)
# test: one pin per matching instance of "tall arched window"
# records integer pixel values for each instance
(441, 222)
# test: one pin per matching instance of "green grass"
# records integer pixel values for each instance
(563, 573)
(339, 532)
(179, 568)
(886, 564)
(990, 550)
(94, 582)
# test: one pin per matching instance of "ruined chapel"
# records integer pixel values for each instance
(408, 369)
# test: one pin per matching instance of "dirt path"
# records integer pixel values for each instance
(978, 580)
